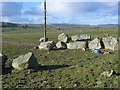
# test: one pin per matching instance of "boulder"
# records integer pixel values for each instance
(80, 37)
(3, 59)
(25, 61)
(95, 44)
(43, 39)
(110, 43)
(77, 45)
(61, 45)
(49, 45)
(63, 37)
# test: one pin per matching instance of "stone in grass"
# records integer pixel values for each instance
(63, 37)
(3, 59)
(110, 43)
(43, 39)
(80, 37)
(95, 44)
(107, 53)
(107, 73)
(49, 45)
(77, 45)
(27, 61)
(61, 45)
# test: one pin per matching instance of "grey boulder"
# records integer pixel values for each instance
(110, 43)
(95, 44)
(61, 45)
(63, 37)
(77, 45)
(49, 45)
(25, 61)
(80, 37)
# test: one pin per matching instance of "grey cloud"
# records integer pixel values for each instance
(92, 7)
(13, 9)
(80, 8)
(34, 11)
(12, 12)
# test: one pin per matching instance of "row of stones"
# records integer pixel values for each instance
(80, 42)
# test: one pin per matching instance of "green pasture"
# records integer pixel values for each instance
(59, 68)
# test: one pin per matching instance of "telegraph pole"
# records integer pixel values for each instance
(45, 21)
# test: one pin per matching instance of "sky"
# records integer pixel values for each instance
(92, 13)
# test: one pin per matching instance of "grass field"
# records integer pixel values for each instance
(59, 68)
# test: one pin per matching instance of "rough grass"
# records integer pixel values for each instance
(59, 68)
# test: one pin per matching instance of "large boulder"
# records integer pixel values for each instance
(61, 45)
(95, 44)
(77, 45)
(49, 45)
(63, 37)
(25, 61)
(3, 59)
(110, 43)
(80, 37)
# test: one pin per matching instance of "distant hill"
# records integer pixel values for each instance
(65, 24)
(15, 25)
(4, 24)
(108, 25)
(82, 25)
(12, 25)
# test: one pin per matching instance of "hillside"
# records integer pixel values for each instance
(58, 68)
(15, 25)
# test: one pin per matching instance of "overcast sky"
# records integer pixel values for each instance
(92, 13)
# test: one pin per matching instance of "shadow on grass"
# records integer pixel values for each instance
(51, 67)
(7, 70)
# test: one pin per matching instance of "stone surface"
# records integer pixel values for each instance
(43, 39)
(110, 43)
(49, 45)
(77, 45)
(63, 37)
(61, 45)
(95, 44)
(80, 37)
(107, 73)
(107, 52)
(25, 61)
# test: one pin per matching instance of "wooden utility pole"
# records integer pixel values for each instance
(45, 21)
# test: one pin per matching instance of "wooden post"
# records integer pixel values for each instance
(45, 21)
